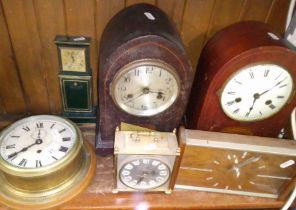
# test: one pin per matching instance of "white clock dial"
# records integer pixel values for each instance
(145, 88)
(38, 142)
(144, 173)
(256, 92)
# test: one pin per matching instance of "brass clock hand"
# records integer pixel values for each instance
(38, 141)
(143, 92)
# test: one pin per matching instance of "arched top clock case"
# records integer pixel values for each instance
(254, 53)
(141, 46)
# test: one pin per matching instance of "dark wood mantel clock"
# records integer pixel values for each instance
(144, 74)
(75, 78)
(245, 83)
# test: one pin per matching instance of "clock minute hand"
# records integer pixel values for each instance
(246, 162)
(38, 141)
(277, 84)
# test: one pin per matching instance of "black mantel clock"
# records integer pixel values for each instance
(75, 78)
(144, 74)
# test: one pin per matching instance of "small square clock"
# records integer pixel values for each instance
(73, 53)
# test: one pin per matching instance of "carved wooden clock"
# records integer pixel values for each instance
(245, 83)
(144, 75)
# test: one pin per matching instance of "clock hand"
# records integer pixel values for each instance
(143, 92)
(246, 162)
(277, 84)
(38, 141)
(38, 134)
(256, 97)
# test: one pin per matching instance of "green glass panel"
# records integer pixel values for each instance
(76, 93)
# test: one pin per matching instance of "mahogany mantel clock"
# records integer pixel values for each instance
(245, 83)
(144, 75)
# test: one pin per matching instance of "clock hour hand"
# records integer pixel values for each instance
(144, 91)
(38, 141)
(256, 97)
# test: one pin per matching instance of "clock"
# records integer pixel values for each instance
(43, 163)
(75, 78)
(145, 161)
(73, 53)
(144, 74)
(236, 164)
(245, 83)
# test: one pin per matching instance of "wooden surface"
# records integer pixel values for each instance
(28, 56)
(98, 195)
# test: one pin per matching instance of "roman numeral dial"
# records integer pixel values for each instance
(256, 92)
(37, 143)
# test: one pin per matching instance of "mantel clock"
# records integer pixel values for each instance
(245, 83)
(144, 74)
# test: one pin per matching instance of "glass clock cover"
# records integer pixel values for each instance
(144, 173)
(37, 142)
(145, 87)
(237, 164)
(256, 92)
(73, 59)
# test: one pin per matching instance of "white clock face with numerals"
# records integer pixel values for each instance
(144, 173)
(145, 88)
(256, 92)
(37, 141)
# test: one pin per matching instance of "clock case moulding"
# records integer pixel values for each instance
(131, 36)
(231, 49)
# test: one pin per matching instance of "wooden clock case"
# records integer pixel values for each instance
(229, 50)
(138, 32)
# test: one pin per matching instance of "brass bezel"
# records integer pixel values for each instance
(239, 71)
(46, 170)
(135, 64)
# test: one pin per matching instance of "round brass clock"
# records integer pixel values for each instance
(43, 162)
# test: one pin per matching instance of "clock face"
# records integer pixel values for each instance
(256, 92)
(73, 59)
(144, 173)
(244, 171)
(145, 88)
(37, 142)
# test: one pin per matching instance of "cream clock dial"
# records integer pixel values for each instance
(144, 173)
(38, 143)
(73, 59)
(145, 87)
(256, 92)
(43, 163)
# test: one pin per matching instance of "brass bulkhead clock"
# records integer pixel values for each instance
(43, 162)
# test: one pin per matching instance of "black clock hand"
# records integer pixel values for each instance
(277, 84)
(256, 97)
(143, 92)
(38, 141)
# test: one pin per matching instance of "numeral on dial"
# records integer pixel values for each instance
(23, 162)
(63, 149)
(66, 139)
(26, 128)
(63, 130)
(10, 146)
(38, 163)
(39, 125)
